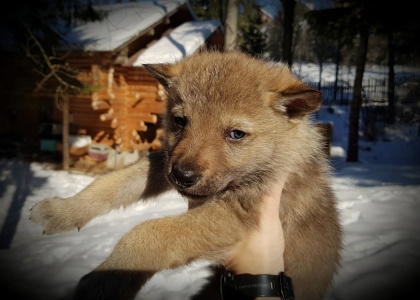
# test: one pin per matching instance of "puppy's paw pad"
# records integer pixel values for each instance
(56, 215)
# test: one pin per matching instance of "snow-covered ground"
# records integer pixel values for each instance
(379, 201)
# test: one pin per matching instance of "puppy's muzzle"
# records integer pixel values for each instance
(184, 177)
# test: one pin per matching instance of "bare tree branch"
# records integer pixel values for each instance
(54, 69)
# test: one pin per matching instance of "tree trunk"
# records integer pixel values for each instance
(289, 15)
(66, 121)
(337, 68)
(391, 78)
(321, 68)
(319, 50)
(353, 142)
(222, 9)
(231, 25)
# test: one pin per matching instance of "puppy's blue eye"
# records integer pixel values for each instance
(237, 134)
(180, 121)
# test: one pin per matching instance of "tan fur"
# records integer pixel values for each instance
(217, 93)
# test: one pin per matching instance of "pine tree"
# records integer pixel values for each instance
(252, 38)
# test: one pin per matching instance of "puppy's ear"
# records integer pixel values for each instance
(163, 73)
(297, 101)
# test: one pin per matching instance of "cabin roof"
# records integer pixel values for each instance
(179, 43)
(124, 23)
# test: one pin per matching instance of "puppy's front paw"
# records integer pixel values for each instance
(57, 215)
(112, 285)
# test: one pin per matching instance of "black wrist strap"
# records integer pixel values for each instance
(247, 286)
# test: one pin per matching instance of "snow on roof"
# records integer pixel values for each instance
(124, 22)
(181, 42)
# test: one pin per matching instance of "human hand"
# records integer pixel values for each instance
(262, 251)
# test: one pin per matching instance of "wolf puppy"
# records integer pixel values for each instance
(233, 126)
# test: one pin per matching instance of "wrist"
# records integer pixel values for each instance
(247, 286)
(262, 245)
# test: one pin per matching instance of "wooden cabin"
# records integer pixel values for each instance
(123, 104)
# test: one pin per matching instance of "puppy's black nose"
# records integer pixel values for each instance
(184, 177)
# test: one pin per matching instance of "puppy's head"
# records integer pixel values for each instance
(231, 121)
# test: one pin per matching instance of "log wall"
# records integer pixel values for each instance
(124, 106)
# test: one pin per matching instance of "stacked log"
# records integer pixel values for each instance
(127, 107)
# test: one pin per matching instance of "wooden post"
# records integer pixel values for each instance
(231, 25)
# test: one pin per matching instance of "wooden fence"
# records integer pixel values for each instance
(407, 89)
(374, 111)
